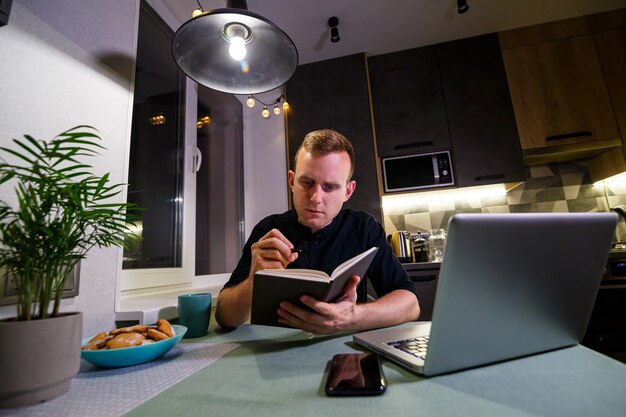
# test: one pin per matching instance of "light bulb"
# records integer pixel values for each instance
(276, 110)
(237, 48)
(250, 101)
(285, 105)
(265, 113)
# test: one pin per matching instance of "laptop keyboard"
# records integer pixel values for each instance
(415, 346)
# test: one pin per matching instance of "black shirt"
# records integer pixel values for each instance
(350, 233)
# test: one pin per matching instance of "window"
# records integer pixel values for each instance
(157, 149)
(185, 169)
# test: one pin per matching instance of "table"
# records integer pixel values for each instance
(280, 372)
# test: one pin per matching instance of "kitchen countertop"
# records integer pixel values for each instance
(422, 266)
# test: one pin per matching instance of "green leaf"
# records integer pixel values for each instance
(61, 213)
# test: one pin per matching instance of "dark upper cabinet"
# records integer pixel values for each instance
(451, 96)
(485, 143)
(408, 102)
(334, 94)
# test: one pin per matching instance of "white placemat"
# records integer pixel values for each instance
(98, 392)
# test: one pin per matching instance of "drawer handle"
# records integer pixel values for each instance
(569, 135)
(413, 145)
(490, 177)
(423, 278)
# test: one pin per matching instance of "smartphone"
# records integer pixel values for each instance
(355, 374)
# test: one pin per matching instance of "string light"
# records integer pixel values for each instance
(276, 104)
(157, 120)
(203, 121)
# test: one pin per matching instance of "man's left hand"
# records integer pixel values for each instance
(325, 318)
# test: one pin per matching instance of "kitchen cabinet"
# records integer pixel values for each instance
(485, 143)
(558, 91)
(408, 102)
(424, 277)
(451, 96)
(334, 94)
(609, 36)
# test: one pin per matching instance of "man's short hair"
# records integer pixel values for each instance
(325, 141)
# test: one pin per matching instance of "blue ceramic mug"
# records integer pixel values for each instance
(194, 312)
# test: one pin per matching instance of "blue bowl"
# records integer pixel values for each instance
(115, 358)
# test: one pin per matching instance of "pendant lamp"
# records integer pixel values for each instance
(234, 50)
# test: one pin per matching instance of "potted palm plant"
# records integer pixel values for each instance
(59, 211)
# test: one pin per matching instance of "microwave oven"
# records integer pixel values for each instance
(416, 172)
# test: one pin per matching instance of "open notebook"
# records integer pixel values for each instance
(510, 285)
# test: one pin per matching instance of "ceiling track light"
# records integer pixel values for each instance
(462, 6)
(234, 50)
(276, 105)
(333, 22)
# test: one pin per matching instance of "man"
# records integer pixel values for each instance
(318, 234)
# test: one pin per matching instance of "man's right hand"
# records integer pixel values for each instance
(272, 251)
(234, 304)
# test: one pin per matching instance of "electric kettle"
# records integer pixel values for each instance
(401, 244)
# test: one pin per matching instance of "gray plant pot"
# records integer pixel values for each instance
(38, 358)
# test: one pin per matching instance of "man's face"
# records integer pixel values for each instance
(320, 187)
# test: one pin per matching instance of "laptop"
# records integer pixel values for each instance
(510, 285)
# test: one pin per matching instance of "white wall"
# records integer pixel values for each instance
(63, 64)
(265, 166)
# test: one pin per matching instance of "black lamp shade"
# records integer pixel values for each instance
(200, 49)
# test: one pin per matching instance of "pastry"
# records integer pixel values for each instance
(131, 336)
(103, 343)
(157, 335)
(124, 340)
(138, 328)
(94, 342)
(165, 327)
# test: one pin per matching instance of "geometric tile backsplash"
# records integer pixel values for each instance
(558, 187)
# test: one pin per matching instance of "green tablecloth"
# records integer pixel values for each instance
(280, 372)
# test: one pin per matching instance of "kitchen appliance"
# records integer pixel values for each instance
(402, 246)
(419, 171)
(420, 247)
(436, 245)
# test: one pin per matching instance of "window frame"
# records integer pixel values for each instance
(133, 279)
(151, 278)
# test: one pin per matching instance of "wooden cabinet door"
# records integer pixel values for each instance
(557, 86)
(334, 94)
(408, 104)
(611, 47)
(609, 35)
(485, 143)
